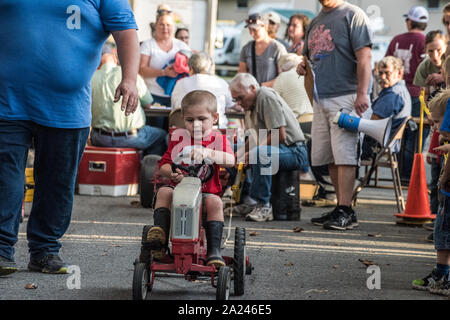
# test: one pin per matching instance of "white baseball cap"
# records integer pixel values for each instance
(274, 17)
(417, 14)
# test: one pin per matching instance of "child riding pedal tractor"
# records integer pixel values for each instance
(196, 151)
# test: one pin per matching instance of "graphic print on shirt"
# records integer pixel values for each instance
(405, 55)
(320, 43)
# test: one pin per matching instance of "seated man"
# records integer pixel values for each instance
(201, 69)
(266, 110)
(291, 88)
(110, 126)
(393, 100)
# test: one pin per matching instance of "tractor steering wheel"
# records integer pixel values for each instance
(192, 170)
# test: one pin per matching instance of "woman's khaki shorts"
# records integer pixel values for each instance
(331, 144)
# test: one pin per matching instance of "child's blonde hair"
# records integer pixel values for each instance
(439, 103)
(199, 97)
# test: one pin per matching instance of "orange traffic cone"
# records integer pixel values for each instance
(417, 209)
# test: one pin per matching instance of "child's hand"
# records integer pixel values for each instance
(429, 158)
(444, 148)
(434, 79)
(199, 154)
(177, 176)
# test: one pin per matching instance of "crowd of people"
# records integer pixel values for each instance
(270, 88)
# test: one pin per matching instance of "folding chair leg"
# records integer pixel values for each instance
(366, 178)
(397, 182)
(398, 185)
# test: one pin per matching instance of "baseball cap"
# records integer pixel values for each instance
(256, 19)
(274, 17)
(417, 14)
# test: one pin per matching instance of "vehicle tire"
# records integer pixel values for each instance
(223, 283)
(239, 261)
(146, 184)
(146, 252)
(141, 280)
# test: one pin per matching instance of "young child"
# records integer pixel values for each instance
(428, 74)
(438, 280)
(199, 111)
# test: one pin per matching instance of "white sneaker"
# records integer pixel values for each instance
(260, 214)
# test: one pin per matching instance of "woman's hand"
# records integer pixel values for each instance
(169, 72)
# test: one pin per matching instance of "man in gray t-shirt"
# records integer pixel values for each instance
(266, 110)
(338, 46)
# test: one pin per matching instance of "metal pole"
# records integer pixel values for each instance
(211, 27)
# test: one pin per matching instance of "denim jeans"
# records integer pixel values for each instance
(57, 156)
(150, 139)
(289, 158)
(411, 138)
(442, 225)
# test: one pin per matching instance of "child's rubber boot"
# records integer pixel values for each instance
(214, 240)
(160, 232)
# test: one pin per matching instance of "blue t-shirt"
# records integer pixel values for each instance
(394, 101)
(49, 50)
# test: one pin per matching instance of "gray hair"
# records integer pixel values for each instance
(201, 63)
(243, 81)
(387, 61)
(289, 61)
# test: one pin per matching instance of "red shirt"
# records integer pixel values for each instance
(434, 143)
(181, 139)
(409, 47)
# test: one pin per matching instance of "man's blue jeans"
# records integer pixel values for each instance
(57, 156)
(289, 158)
(150, 139)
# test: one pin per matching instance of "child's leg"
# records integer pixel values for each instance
(214, 228)
(435, 172)
(442, 262)
(161, 216)
(164, 198)
(214, 208)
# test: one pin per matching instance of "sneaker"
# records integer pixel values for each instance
(442, 287)
(48, 264)
(340, 220)
(243, 209)
(7, 266)
(260, 214)
(157, 234)
(426, 283)
(355, 222)
(319, 221)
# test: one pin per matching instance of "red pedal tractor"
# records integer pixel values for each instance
(188, 242)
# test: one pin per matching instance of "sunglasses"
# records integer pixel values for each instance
(163, 11)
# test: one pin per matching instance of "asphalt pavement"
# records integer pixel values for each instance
(309, 263)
